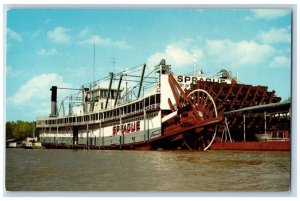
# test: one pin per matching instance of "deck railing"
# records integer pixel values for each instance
(41, 121)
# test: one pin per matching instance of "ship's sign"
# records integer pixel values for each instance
(127, 128)
(185, 81)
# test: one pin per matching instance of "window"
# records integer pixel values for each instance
(152, 100)
(157, 98)
(129, 108)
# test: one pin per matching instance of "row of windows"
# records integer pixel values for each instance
(134, 107)
(140, 118)
(104, 92)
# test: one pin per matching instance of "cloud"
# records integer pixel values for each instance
(12, 72)
(217, 54)
(51, 52)
(36, 33)
(37, 90)
(59, 35)
(229, 53)
(14, 35)
(176, 54)
(47, 21)
(104, 41)
(270, 14)
(276, 35)
(280, 62)
(84, 32)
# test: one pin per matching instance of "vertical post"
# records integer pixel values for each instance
(87, 136)
(126, 93)
(94, 61)
(265, 118)
(144, 121)
(99, 143)
(57, 134)
(83, 99)
(244, 123)
(118, 91)
(121, 124)
(148, 131)
(141, 81)
(70, 98)
(91, 102)
(109, 88)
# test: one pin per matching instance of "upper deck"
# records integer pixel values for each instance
(137, 107)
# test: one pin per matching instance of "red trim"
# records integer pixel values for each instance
(271, 145)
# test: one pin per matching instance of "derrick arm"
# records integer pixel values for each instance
(109, 88)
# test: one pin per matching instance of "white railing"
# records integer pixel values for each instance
(41, 122)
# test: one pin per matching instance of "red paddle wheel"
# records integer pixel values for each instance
(193, 118)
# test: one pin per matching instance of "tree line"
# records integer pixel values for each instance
(19, 130)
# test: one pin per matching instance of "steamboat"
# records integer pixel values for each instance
(159, 110)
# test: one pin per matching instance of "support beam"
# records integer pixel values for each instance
(179, 95)
(265, 119)
(141, 81)
(244, 124)
(87, 136)
(118, 90)
(109, 88)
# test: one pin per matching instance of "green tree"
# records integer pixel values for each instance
(9, 130)
(19, 130)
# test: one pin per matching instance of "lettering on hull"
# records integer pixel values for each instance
(127, 128)
(186, 81)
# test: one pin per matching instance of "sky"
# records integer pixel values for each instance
(46, 47)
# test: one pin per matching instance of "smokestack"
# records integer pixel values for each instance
(53, 101)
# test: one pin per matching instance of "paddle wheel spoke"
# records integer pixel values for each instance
(206, 108)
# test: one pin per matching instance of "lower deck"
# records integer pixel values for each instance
(140, 128)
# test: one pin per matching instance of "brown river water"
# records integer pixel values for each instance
(147, 171)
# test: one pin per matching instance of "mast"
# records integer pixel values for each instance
(94, 60)
(118, 91)
(109, 88)
(114, 63)
(141, 81)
